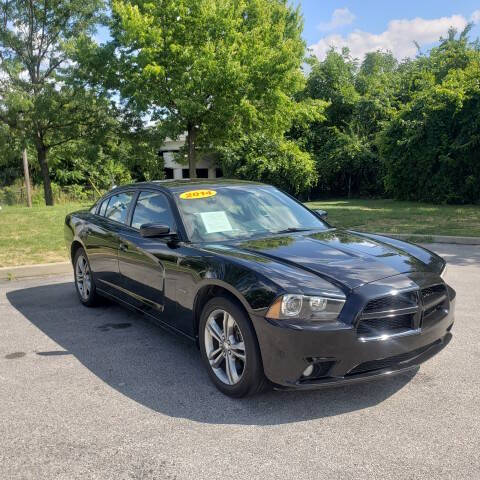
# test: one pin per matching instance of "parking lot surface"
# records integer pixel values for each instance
(103, 394)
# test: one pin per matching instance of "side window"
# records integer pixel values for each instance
(152, 207)
(117, 208)
(103, 207)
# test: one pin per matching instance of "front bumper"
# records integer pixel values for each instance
(340, 355)
(400, 367)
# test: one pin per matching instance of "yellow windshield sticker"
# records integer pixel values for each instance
(194, 194)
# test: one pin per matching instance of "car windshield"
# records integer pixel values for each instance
(240, 212)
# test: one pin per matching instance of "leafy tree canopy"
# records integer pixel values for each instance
(431, 147)
(39, 99)
(217, 69)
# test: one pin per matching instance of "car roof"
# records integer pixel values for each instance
(186, 183)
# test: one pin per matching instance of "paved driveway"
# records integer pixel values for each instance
(101, 393)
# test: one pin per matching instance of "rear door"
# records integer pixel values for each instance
(103, 240)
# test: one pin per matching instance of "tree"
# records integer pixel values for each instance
(431, 147)
(281, 160)
(116, 155)
(217, 69)
(276, 161)
(39, 98)
(360, 98)
(333, 80)
(10, 155)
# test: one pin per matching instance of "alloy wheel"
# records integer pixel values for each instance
(83, 277)
(225, 347)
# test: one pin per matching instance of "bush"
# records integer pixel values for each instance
(9, 196)
(431, 149)
(278, 162)
(16, 194)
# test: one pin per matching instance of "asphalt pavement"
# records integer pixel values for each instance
(103, 394)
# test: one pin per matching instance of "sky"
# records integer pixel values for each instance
(369, 25)
(366, 25)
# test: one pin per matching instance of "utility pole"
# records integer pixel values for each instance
(27, 177)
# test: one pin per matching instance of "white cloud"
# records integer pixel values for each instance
(340, 18)
(475, 17)
(399, 37)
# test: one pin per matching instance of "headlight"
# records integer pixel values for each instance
(444, 271)
(306, 307)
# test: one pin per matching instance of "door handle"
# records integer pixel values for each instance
(123, 247)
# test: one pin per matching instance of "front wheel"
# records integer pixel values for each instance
(230, 349)
(84, 280)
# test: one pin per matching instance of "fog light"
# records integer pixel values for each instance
(308, 371)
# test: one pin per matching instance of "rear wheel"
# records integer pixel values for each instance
(230, 349)
(84, 280)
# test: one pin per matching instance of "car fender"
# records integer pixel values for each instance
(210, 282)
(72, 234)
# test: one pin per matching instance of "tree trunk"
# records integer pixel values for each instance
(27, 178)
(47, 186)
(192, 164)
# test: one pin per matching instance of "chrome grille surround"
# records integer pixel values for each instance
(403, 312)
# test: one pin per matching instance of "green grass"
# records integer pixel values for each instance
(389, 216)
(29, 236)
(33, 235)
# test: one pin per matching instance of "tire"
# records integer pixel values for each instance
(84, 283)
(237, 378)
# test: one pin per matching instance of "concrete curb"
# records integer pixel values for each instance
(23, 271)
(418, 238)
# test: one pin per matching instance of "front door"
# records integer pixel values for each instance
(148, 265)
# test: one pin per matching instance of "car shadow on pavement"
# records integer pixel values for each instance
(164, 372)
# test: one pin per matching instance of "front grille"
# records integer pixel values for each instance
(403, 311)
(374, 327)
(392, 302)
(435, 302)
(390, 362)
(432, 310)
(388, 315)
(433, 290)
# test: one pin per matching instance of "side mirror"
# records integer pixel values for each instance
(152, 230)
(321, 213)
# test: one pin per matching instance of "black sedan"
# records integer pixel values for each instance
(271, 293)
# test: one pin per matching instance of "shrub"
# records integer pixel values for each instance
(279, 162)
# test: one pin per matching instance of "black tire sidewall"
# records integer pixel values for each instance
(253, 375)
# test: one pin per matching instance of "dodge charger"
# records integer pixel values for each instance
(272, 294)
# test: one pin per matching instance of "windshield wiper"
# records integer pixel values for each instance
(293, 229)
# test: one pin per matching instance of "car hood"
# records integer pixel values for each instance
(349, 258)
